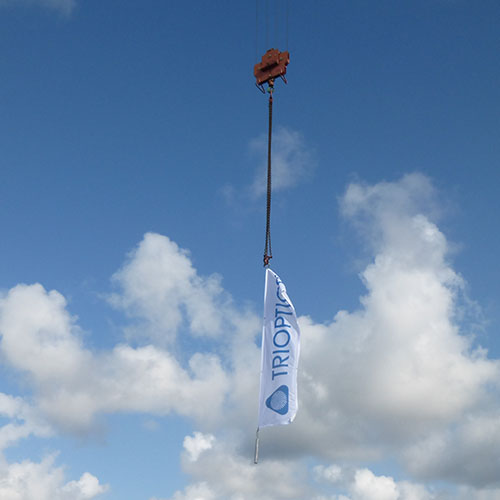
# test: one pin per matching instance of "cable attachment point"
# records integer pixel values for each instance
(270, 88)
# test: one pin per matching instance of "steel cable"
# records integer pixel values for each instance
(268, 254)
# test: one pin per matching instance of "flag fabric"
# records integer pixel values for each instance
(280, 355)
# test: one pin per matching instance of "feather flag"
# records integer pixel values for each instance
(280, 355)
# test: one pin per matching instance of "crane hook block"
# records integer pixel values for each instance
(273, 65)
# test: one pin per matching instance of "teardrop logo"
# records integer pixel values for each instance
(278, 400)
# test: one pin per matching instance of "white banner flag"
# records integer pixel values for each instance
(280, 355)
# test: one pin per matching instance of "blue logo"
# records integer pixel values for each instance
(278, 400)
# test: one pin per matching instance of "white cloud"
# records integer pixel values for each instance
(398, 367)
(225, 475)
(86, 487)
(63, 6)
(468, 453)
(367, 486)
(379, 380)
(197, 444)
(43, 481)
(412, 491)
(39, 335)
(332, 473)
(363, 484)
(221, 473)
(199, 491)
(398, 377)
(467, 493)
(73, 385)
(292, 162)
(23, 421)
(160, 286)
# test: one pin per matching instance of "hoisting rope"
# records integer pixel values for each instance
(268, 253)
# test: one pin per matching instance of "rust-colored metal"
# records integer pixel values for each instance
(273, 65)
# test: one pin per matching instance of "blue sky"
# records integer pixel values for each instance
(132, 154)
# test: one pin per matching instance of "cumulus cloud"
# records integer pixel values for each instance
(381, 380)
(29, 480)
(288, 480)
(331, 473)
(367, 486)
(199, 491)
(159, 285)
(466, 493)
(73, 385)
(22, 421)
(198, 443)
(400, 366)
(363, 484)
(65, 7)
(466, 454)
(221, 473)
(292, 162)
(398, 377)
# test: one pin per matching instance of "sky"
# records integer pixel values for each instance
(132, 219)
